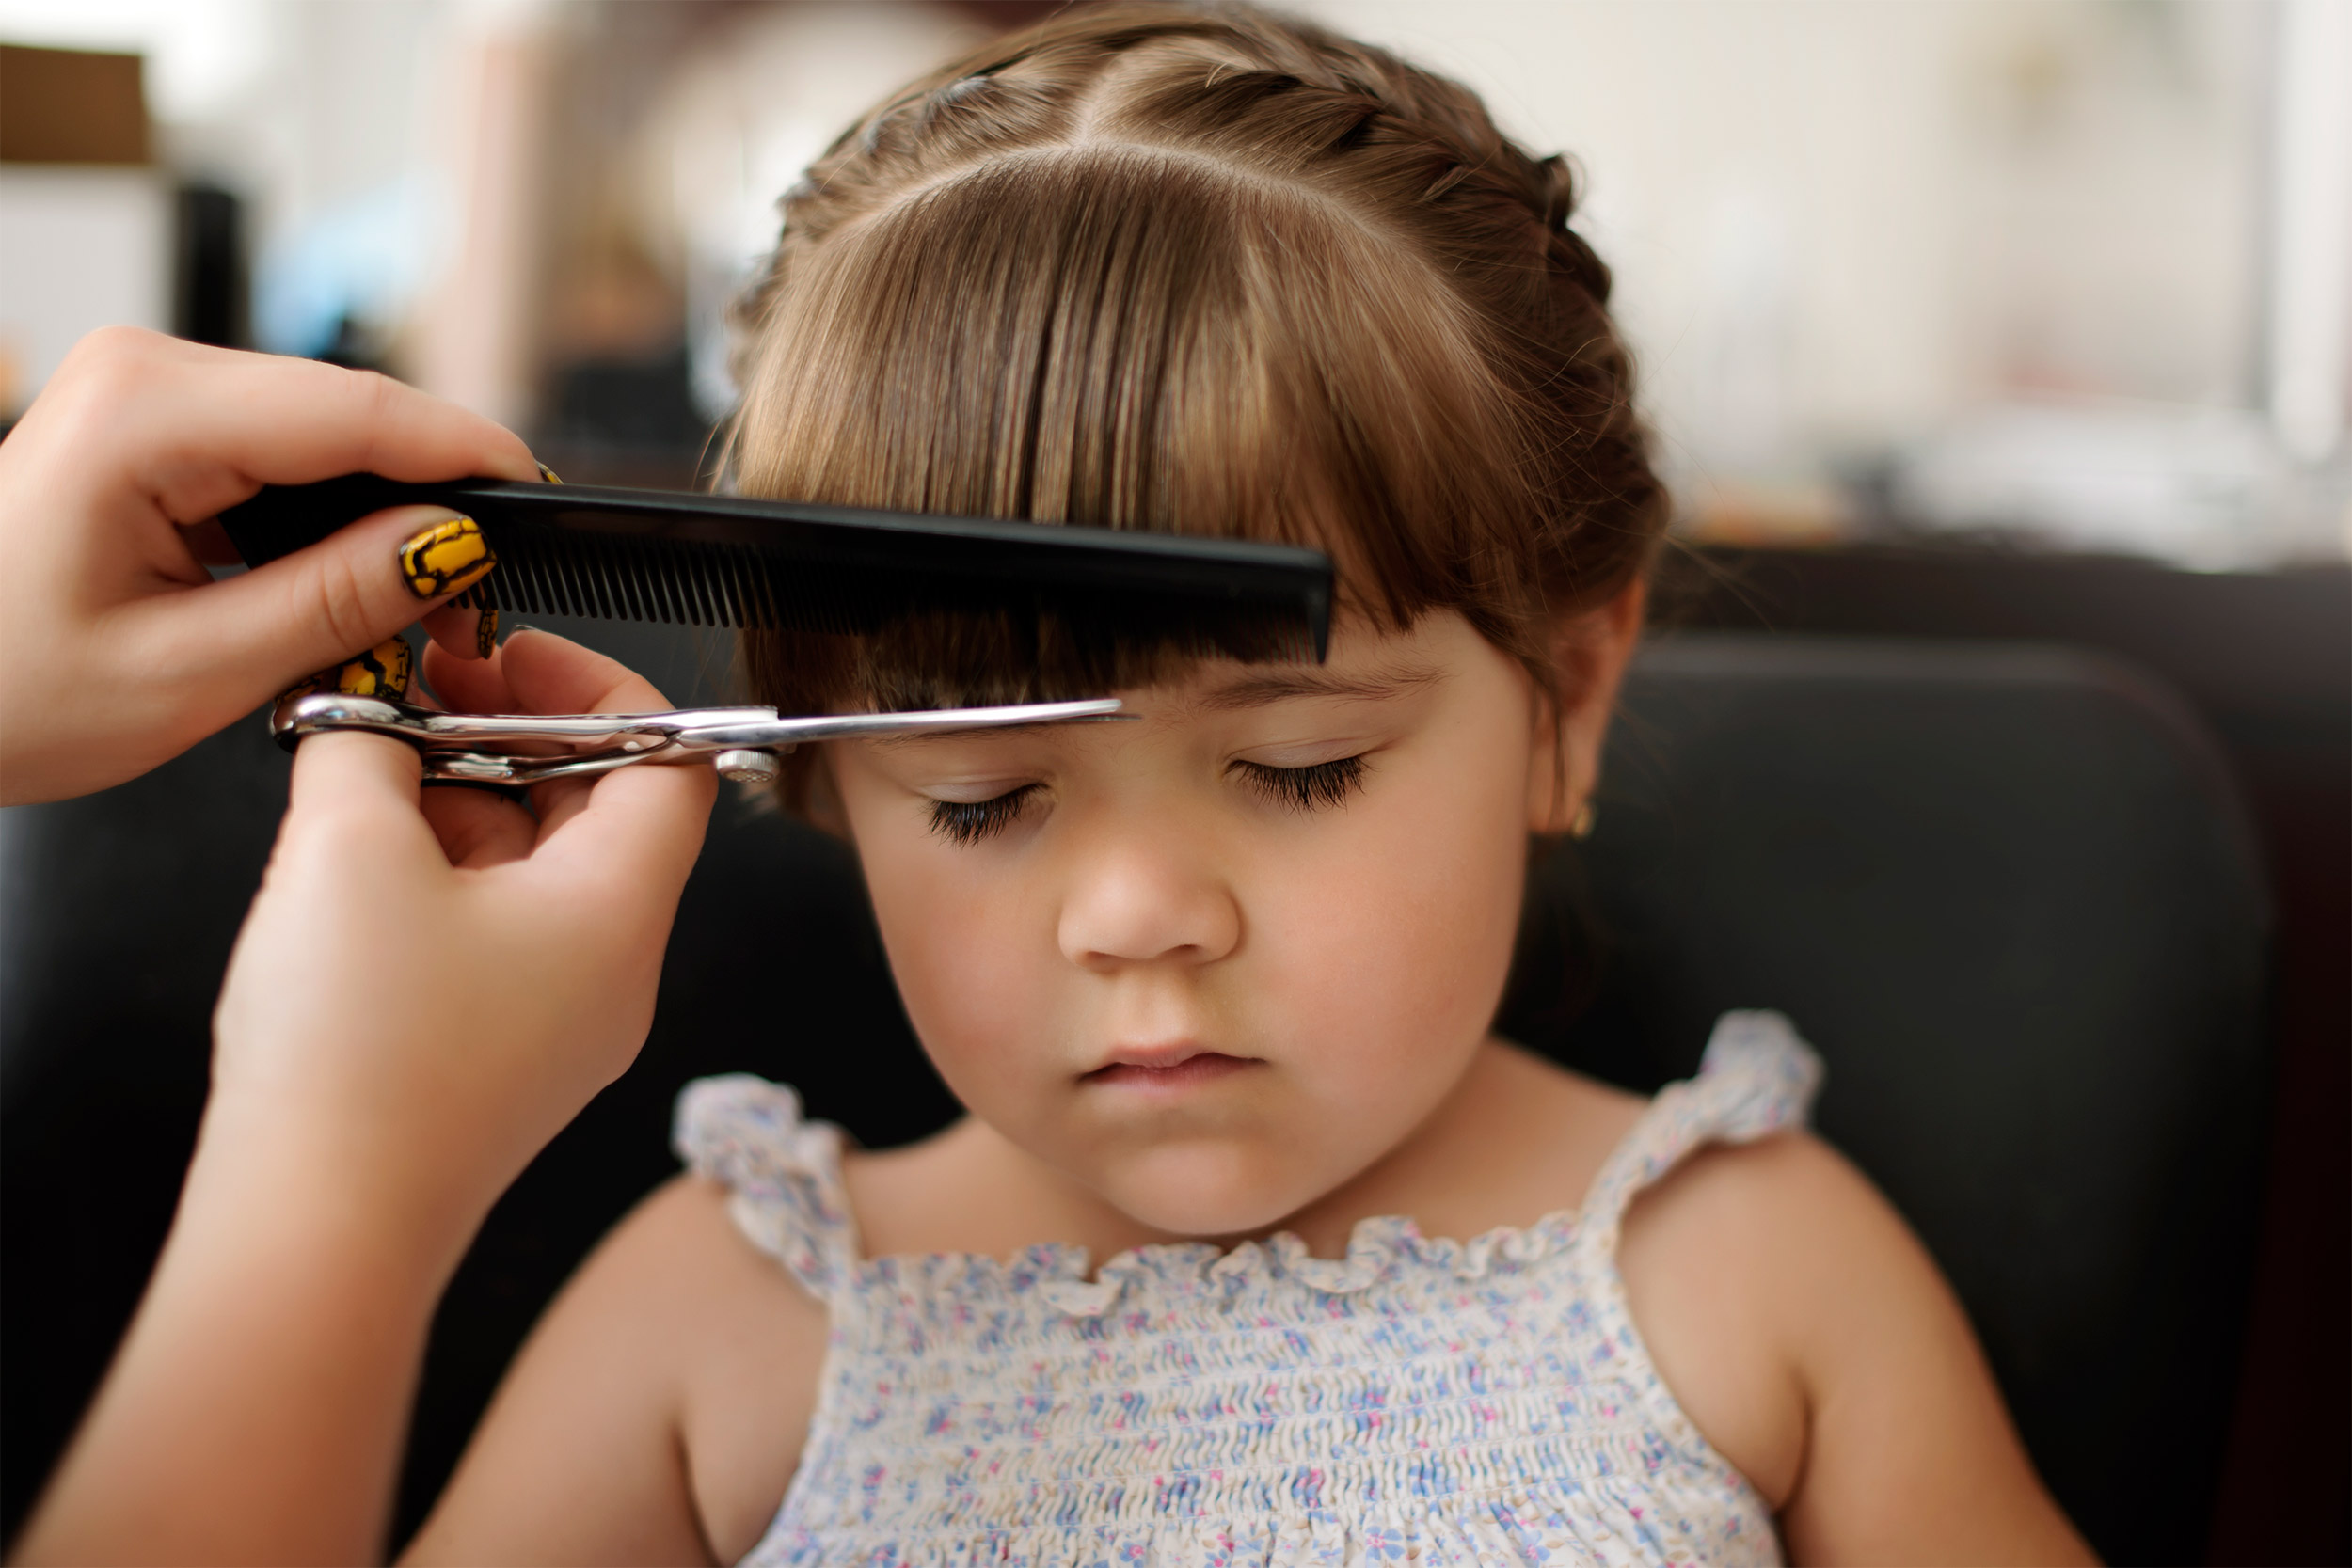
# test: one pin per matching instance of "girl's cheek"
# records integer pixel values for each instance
(1389, 952)
(1398, 938)
(960, 947)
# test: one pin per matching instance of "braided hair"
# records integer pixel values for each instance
(1202, 270)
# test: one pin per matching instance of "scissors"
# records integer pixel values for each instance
(745, 744)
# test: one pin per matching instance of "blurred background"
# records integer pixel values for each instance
(1961, 319)
(2070, 271)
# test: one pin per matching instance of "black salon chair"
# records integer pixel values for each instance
(2007, 891)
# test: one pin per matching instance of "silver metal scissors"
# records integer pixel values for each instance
(744, 743)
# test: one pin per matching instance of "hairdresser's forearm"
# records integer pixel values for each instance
(256, 1409)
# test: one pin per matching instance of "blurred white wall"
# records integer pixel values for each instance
(1836, 225)
(80, 247)
(742, 112)
(2031, 262)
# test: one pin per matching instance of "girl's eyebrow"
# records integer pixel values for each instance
(1279, 686)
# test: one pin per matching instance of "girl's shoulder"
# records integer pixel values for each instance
(1808, 1335)
(750, 1349)
(1526, 1140)
(802, 1192)
(660, 1403)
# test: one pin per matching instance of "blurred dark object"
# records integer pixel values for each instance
(209, 279)
(628, 422)
(104, 1057)
(2005, 892)
(71, 106)
(2265, 659)
(355, 347)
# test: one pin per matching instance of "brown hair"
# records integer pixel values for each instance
(1197, 271)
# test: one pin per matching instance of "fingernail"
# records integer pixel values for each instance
(446, 558)
(549, 474)
(383, 671)
(485, 634)
(311, 685)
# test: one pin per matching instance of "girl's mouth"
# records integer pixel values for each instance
(1167, 1071)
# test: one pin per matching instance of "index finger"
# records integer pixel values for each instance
(201, 428)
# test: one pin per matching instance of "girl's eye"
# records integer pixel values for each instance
(1309, 788)
(970, 821)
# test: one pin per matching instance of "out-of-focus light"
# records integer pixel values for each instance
(2202, 487)
(361, 262)
(202, 55)
(2311, 275)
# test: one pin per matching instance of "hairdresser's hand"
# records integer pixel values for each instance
(118, 651)
(428, 988)
(433, 984)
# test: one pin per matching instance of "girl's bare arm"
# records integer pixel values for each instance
(1811, 1338)
(654, 1414)
(1911, 1456)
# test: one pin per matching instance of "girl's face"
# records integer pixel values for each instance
(1214, 962)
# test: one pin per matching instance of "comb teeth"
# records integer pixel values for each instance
(632, 576)
(620, 577)
(785, 566)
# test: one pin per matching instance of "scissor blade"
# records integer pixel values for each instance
(761, 734)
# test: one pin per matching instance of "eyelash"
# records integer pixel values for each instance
(1309, 789)
(970, 821)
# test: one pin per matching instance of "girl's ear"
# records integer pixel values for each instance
(1589, 653)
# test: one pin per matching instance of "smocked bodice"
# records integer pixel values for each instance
(1420, 1400)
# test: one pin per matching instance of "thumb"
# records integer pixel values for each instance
(256, 634)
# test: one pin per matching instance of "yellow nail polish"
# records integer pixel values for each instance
(485, 634)
(549, 474)
(446, 558)
(384, 671)
(311, 685)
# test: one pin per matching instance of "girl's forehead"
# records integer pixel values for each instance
(1261, 685)
(1366, 663)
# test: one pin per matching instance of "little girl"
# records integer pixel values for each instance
(1257, 1245)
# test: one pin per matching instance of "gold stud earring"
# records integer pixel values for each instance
(1580, 826)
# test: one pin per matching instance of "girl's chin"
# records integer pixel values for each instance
(1213, 1194)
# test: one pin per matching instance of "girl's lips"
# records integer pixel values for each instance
(1204, 1067)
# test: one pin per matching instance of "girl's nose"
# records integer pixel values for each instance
(1146, 900)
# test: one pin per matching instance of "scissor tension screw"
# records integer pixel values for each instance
(744, 766)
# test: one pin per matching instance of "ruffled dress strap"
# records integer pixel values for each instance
(783, 1172)
(1757, 1078)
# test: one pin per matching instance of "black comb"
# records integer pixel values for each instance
(726, 561)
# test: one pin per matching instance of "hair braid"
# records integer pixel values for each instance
(1373, 159)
